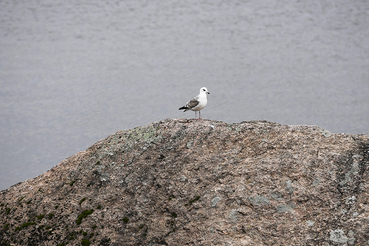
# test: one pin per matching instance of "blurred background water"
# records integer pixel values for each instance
(73, 72)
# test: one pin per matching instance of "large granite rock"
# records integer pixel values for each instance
(191, 182)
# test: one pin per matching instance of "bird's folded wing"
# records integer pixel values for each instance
(193, 103)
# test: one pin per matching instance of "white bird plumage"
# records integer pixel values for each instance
(198, 102)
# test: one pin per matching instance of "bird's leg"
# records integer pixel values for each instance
(195, 114)
(199, 115)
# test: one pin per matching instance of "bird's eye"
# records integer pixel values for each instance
(203, 89)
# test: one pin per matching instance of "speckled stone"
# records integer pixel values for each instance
(199, 182)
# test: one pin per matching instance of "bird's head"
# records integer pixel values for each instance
(204, 90)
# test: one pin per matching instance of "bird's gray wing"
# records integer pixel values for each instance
(193, 103)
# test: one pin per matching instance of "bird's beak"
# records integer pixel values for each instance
(208, 92)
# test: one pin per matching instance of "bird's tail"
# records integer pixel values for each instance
(184, 107)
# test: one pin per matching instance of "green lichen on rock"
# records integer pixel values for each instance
(85, 242)
(26, 224)
(195, 199)
(259, 200)
(84, 215)
(83, 199)
(125, 220)
(147, 134)
(161, 157)
(40, 217)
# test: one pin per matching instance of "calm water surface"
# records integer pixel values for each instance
(73, 72)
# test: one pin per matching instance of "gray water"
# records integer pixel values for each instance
(73, 72)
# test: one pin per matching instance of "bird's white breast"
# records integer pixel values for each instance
(202, 103)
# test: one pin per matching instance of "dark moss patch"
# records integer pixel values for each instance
(61, 244)
(85, 242)
(173, 230)
(29, 202)
(21, 199)
(194, 200)
(125, 220)
(174, 215)
(51, 215)
(161, 157)
(26, 224)
(71, 237)
(99, 207)
(83, 199)
(6, 226)
(171, 197)
(84, 215)
(72, 183)
(56, 206)
(7, 211)
(105, 241)
(40, 217)
(94, 227)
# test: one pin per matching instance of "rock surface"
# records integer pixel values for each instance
(191, 182)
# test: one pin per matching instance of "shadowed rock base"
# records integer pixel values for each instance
(190, 182)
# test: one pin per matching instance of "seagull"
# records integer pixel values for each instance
(197, 103)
